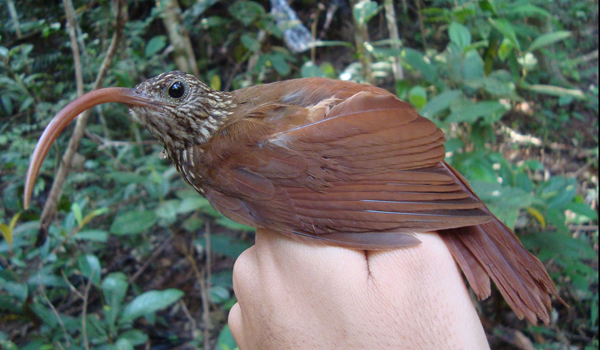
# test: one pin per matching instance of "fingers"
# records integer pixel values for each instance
(290, 291)
(236, 325)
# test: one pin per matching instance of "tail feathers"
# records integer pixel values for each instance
(493, 250)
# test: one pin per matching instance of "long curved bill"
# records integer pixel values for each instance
(130, 97)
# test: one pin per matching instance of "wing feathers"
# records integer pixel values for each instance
(363, 171)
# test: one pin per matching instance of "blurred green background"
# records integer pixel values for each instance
(135, 259)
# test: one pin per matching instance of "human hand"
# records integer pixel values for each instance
(293, 295)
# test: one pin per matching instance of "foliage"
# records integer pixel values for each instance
(509, 81)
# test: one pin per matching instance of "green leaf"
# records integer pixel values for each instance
(89, 265)
(507, 30)
(309, 70)
(246, 11)
(490, 111)
(459, 35)
(218, 294)
(168, 209)
(155, 45)
(472, 65)
(527, 10)
(453, 145)
(225, 340)
(224, 245)
(417, 60)
(114, 287)
(189, 204)
(26, 103)
(93, 214)
(193, 224)
(364, 10)
(440, 103)
(548, 39)
(123, 344)
(46, 279)
(150, 302)
(417, 96)
(553, 90)
(18, 290)
(77, 212)
(402, 88)
(487, 6)
(135, 337)
(279, 63)
(504, 201)
(505, 49)
(328, 43)
(92, 235)
(582, 209)
(226, 222)
(250, 42)
(133, 222)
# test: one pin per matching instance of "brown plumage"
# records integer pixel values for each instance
(326, 161)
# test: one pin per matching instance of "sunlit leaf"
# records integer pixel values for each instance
(76, 210)
(93, 214)
(134, 336)
(490, 111)
(309, 69)
(224, 245)
(440, 103)
(114, 287)
(417, 96)
(553, 90)
(548, 39)
(133, 222)
(150, 302)
(250, 42)
(364, 10)
(537, 215)
(417, 60)
(225, 340)
(92, 235)
(460, 35)
(89, 265)
(218, 294)
(246, 11)
(155, 45)
(507, 30)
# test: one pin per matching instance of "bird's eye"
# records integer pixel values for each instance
(177, 89)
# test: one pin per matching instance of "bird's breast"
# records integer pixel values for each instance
(188, 162)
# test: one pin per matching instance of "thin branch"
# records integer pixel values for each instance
(15, 17)
(61, 175)
(54, 311)
(361, 36)
(70, 13)
(421, 26)
(390, 17)
(205, 304)
(86, 293)
(150, 260)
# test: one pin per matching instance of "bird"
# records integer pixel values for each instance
(326, 162)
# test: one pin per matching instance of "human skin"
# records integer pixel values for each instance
(294, 295)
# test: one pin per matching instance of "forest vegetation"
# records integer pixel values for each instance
(130, 257)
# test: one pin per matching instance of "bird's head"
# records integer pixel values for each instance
(184, 112)
(178, 109)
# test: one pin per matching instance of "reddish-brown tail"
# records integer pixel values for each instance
(492, 250)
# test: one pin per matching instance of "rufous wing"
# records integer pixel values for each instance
(369, 164)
